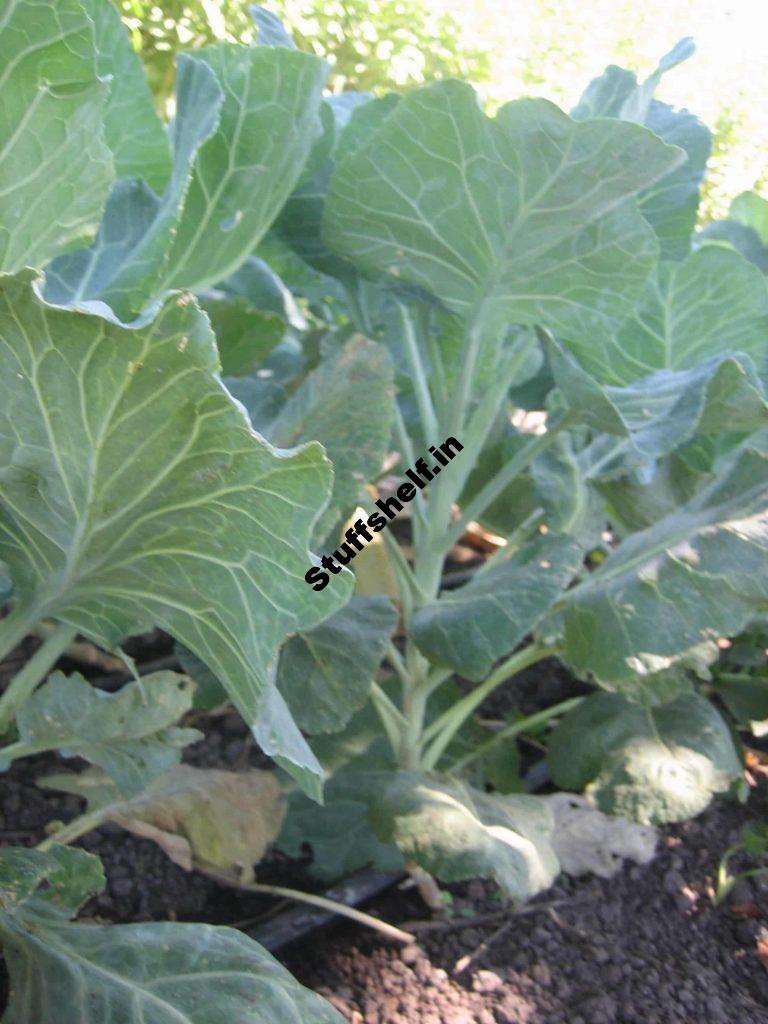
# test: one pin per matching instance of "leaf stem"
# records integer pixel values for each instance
(445, 727)
(391, 717)
(516, 729)
(77, 827)
(317, 901)
(36, 669)
(395, 659)
(420, 383)
(14, 627)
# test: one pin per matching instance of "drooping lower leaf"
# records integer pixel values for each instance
(325, 673)
(55, 166)
(131, 734)
(651, 764)
(697, 573)
(136, 494)
(204, 816)
(163, 973)
(456, 832)
(470, 628)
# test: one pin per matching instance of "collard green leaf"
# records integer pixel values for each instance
(270, 30)
(244, 335)
(121, 271)
(572, 505)
(746, 697)
(635, 503)
(55, 167)
(340, 833)
(713, 302)
(731, 234)
(470, 628)
(129, 734)
(245, 121)
(346, 403)
(667, 408)
(471, 208)
(651, 764)
(751, 210)
(133, 131)
(161, 972)
(265, 290)
(697, 573)
(670, 205)
(68, 877)
(197, 815)
(135, 493)
(325, 673)
(456, 832)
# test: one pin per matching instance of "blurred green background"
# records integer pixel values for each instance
(525, 47)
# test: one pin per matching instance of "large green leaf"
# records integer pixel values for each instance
(667, 408)
(133, 131)
(670, 205)
(55, 167)
(699, 572)
(135, 493)
(653, 764)
(121, 271)
(325, 673)
(456, 832)
(750, 209)
(713, 302)
(524, 217)
(470, 628)
(245, 121)
(130, 733)
(161, 973)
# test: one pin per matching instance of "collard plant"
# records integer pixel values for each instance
(195, 322)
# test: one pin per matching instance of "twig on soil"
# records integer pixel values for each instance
(466, 961)
(306, 897)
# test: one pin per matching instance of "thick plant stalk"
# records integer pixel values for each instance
(36, 669)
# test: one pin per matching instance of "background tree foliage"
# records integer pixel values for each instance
(546, 47)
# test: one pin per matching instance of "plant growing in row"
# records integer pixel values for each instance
(279, 269)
